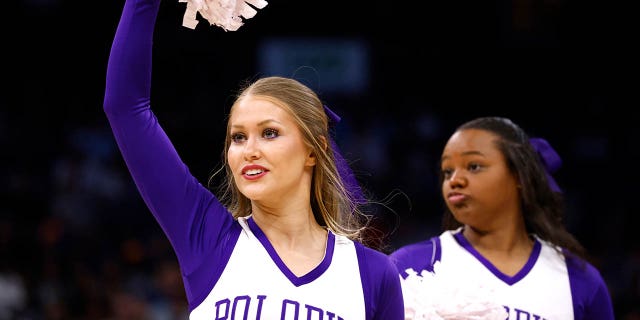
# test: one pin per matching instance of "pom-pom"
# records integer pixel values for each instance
(227, 14)
(440, 296)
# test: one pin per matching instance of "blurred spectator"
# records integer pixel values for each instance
(13, 291)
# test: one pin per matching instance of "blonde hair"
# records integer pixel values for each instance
(332, 204)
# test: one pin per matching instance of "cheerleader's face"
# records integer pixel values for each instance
(267, 155)
(478, 187)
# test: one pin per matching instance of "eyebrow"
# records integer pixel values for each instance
(261, 123)
(467, 153)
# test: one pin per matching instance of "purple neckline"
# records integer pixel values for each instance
(295, 280)
(510, 280)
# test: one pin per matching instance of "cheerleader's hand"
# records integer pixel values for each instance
(227, 14)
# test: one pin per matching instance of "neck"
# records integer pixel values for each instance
(504, 240)
(289, 228)
(507, 249)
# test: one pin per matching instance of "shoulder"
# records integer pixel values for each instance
(374, 259)
(583, 276)
(579, 270)
(375, 265)
(417, 256)
(380, 283)
(582, 270)
(581, 273)
(590, 293)
(370, 261)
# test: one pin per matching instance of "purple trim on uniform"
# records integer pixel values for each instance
(591, 299)
(367, 285)
(295, 280)
(201, 281)
(438, 251)
(535, 253)
(417, 256)
(382, 299)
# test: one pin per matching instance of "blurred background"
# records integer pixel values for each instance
(76, 241)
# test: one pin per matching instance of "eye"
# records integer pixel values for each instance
(446, 173)
(270, 133)
(238, 137)
(473, 167)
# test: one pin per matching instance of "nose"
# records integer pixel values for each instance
(457, 180)
(251, 149)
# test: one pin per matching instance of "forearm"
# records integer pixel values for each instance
(128, 84)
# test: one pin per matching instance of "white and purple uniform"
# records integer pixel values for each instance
(229, 268)
(550, 286)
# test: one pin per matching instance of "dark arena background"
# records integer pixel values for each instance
(77, 242)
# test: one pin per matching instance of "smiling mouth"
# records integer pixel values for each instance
(253, 172)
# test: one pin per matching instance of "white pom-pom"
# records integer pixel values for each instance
(227, 14)
(440, 296)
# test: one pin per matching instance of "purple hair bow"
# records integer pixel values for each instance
(550, 159)
(344, 170)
